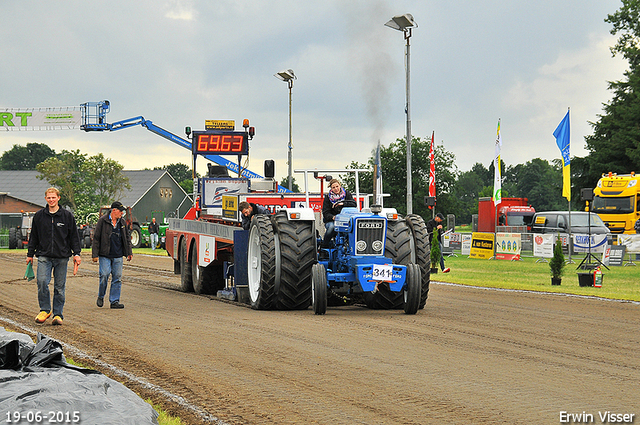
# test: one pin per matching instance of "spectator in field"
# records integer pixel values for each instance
(434, 228)
(111, 242)
(154, 229)
(53, 239)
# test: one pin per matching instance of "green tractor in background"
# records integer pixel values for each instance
(139, 231)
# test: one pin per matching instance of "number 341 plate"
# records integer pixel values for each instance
(382, 272)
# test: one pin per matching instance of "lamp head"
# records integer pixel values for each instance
(402, 22)
(286, 75)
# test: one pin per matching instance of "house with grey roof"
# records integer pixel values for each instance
(154, 193)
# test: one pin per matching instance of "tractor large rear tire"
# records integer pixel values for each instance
(421, 254)
(412, 291)
(297, 257)
(14, 238)
(186, 276)
(319, 289)
(398, 248)
(262, 263)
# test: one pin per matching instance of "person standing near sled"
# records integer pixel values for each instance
(434, 228)
(53, 239)
(111, 242)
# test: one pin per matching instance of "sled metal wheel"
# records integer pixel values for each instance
(319, 289)
(197, 273)
(413, 289)
(186, 282)
(262, 262)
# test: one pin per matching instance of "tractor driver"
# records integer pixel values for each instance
(248, 210)
(331, 206)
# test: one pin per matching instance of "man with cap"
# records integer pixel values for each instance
(111, 242)
(434, 228)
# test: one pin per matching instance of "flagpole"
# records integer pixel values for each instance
(432, 175)
(497, 179)
(569, 211)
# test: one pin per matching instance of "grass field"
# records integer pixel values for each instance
(618, 282)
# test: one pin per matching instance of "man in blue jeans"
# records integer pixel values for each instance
(53, 239)
(111, 242)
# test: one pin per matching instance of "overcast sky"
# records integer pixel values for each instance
(181, 62)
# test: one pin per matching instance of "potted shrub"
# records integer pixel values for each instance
(435, 255)
(556, 264)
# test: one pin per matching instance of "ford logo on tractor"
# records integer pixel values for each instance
(370, 225)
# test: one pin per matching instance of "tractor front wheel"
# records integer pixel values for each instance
(319, 289)
(412, 289)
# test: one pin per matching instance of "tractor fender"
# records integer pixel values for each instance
(300, 214)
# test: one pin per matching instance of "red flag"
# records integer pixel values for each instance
(432, 171)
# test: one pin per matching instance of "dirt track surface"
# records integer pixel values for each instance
(471, 356)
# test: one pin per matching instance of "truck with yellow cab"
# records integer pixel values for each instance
(616, 199)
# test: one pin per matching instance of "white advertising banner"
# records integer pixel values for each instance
(632, 242)
(214, 190)
(466, 243)
(508, 246)
(543, 245)
(58, 118)
(582, 243)
(206, 250)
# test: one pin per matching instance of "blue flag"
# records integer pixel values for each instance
(562, 135)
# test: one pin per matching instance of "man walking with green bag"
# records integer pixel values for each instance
(54, 238)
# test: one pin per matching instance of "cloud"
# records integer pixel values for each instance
(577, 79)
(180, 10)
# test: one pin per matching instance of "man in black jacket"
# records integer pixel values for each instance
(434, 228)
(111, 242)
(154, 229)
(54, 238)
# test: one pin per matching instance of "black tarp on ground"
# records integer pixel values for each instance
(37, 378)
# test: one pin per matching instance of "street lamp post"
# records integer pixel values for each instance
(405, 23)
(288, 76)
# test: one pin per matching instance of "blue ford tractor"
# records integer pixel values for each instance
(372, 259)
